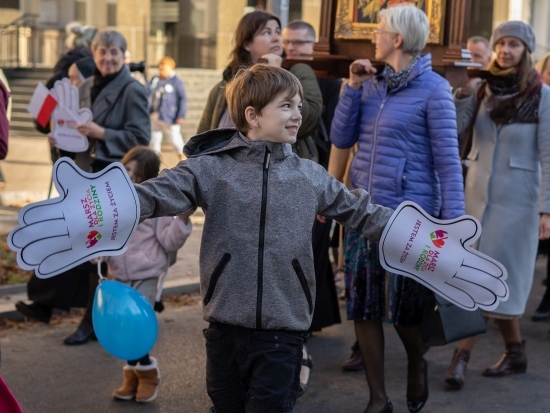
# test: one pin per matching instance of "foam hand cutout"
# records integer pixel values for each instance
(437, 254)
(95, 216)
(67, 116)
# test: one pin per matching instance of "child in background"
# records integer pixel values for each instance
(140, 267)
(256, 263)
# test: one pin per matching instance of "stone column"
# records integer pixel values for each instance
(229, 14)
(311, 13)
(133, 21)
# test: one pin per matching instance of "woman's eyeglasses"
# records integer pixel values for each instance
(379, 32)
(297, 42)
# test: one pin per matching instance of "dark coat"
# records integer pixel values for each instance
(173, 98)
(4, 123)
(120, 108)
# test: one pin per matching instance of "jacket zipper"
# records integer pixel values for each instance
(261, 242)
(375, 142)
(216, 276)
(303, 282)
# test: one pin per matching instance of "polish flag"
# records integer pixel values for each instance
(42, 105)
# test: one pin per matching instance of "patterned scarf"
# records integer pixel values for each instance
(506, 103)
(395, 80)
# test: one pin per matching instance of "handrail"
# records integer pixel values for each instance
(20, 19)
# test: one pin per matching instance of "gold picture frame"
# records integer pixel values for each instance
(358, 19)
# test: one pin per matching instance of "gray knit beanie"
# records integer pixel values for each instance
(516, 29)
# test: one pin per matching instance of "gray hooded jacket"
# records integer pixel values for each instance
(260, 202)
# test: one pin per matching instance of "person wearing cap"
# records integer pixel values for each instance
(505, 189)
(81, 70)
(167, 105)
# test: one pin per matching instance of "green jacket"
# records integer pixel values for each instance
(312, 108)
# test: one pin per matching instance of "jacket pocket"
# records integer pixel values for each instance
(400, 178)
(216, 276)
(303, 282)
(523, 163)
(473, 154)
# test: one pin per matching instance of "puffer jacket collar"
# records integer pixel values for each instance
(226, 139)
(424, 64)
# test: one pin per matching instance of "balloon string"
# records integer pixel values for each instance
(101, 277)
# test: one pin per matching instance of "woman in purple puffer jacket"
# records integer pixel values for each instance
(404, 122)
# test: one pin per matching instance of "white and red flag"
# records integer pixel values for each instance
(42, 105)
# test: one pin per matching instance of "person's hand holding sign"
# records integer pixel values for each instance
(67, 116)
(95, 215)
(436, 253)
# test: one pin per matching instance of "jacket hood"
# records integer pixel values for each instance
(226, 139)
(212, 141)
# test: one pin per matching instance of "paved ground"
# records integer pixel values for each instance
(48, 377)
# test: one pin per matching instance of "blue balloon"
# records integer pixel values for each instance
(124, 321)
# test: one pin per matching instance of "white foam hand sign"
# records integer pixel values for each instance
(67, 116)
(437, 254)
(95, 216)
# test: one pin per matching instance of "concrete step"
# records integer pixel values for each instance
(22, 90)
(22, 126)
(21, 115)
(26, 82)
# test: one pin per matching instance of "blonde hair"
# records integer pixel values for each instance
(258, 86)
(167, 60)
(411, 23)
(542, 63)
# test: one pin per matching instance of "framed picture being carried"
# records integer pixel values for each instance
(358, 19)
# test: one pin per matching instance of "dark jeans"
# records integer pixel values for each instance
(251, 370)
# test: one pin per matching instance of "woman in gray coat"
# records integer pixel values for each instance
(120, 122)
(508, 181)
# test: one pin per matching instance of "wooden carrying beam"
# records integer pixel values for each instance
(333, 55)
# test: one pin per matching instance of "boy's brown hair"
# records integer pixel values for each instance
(258, 86)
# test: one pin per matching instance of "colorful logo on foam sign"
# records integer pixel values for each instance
(438, 237)
(92, 208)
(93, 238)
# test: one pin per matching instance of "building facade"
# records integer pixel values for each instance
(197, 33)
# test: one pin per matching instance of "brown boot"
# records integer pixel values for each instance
(457, 370)
(514, 360)
(148, 380)
(128, 389)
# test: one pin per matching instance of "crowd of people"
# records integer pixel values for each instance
(396, 134)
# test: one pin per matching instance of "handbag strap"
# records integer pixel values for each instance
(467, 145)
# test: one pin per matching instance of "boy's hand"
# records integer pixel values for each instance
(95, 215)
(360, 71)
(185, 217)
(437, 254)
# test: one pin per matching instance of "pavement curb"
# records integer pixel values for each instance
(14, 315)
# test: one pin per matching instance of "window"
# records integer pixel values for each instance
(49, 13)
(111, 14)
(80, 12)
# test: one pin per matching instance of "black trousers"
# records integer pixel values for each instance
(251, 370)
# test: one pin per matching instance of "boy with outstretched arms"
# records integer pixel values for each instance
(256, 263)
